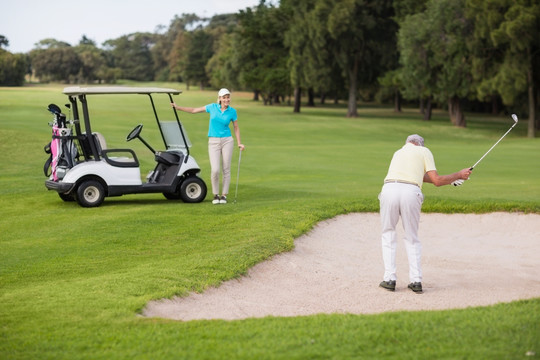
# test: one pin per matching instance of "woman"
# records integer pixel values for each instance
(220, 140)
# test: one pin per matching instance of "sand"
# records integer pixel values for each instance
(468, 260)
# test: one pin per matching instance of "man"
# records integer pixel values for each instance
(401, 195)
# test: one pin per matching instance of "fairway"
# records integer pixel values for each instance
(74, 281)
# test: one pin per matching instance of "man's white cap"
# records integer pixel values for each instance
(224, 92)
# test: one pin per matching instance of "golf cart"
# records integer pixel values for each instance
(82, 168)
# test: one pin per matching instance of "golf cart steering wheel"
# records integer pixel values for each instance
(134, 133)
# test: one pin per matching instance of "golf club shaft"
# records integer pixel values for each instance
(238, 175)
(472, 167)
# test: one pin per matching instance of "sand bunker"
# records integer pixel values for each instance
(468, 260)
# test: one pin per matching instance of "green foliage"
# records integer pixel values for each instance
(132, 54)
(260, 52)
(3, 41)
(434, 55)
(12, 68)
(506, 43)
(311, 62)
(55, 63)
(404, 8)
(73, 280)
(505, 34)
(476, 53)
(361, 37)
(93, 63)
(198, 53)
(223, 67)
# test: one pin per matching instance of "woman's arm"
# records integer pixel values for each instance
(189, 109)
(237, 133)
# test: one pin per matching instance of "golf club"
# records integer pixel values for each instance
(238, 175)
(515, 118)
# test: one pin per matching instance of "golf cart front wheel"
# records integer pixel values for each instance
(193, 190)
(172, 195)
(90, 193)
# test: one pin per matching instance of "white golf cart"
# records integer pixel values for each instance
(82, 168)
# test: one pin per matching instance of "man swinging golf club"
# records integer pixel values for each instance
(401, 195)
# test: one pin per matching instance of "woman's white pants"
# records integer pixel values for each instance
(220, 152)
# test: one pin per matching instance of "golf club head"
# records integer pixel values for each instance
(515, 118)
(54, 109)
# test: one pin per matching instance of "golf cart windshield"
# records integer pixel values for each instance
(173, 137)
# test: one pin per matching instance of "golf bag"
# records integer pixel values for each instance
(63, 152)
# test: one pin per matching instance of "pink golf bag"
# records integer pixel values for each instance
(62, 150)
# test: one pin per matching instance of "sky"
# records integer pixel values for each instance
(26, 22)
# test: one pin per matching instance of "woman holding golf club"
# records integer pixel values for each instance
(220, 140)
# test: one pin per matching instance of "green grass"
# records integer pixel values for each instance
(73, 280)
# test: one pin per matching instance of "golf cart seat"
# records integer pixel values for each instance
(118, 160)
(100, 142)
(168, 158)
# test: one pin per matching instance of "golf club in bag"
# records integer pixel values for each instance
(237, 175)
(515, 118)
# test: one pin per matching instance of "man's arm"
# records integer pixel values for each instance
(440, 180)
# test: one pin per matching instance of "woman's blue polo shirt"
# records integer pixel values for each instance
(219, 121)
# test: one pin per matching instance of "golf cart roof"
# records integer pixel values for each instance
(96, 90)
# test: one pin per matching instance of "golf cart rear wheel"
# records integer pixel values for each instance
(90, 193)
(193, 190)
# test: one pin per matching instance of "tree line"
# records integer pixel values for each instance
(461, 55)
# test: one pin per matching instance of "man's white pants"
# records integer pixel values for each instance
(405, 200)
(220, 151)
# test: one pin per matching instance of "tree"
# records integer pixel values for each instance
(55, 64)
(506, 43)
(177, 42)
(223, 68)
(434, 53)
(404, 8)
(417, 73)
(12, 68)
(93, 61)
(132, 54)
(199, 51)
(360, 35)
(300, 48)
(260, 53)
(50, 43)
(4, 42)
(391, 83)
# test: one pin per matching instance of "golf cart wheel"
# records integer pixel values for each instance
(90, 193)
(172, 195)
(66, 197)
(193, 190)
